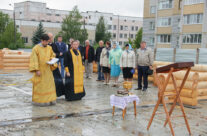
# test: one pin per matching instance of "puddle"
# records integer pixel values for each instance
(55, 117)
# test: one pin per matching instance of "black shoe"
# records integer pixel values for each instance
(138, 89)
(144, 89)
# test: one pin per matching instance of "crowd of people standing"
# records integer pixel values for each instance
(111, 60)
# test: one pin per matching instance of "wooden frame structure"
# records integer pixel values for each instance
(162, 87)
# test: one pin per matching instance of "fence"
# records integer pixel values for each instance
(198, 56)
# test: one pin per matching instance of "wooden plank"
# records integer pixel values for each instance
(177, 67)
(16, 56)
(16, 68)
(16, 64)
(16, 61)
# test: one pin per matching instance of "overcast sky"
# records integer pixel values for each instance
(118, 7)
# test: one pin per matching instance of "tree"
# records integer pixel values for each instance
(71, 27)
(36, 38)
(101, 31)
(4, 20)
(7, 38)
(138, 38)
(7, 33)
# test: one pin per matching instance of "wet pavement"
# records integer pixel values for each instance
(92, 116)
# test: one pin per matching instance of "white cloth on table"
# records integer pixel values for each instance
(122, 101)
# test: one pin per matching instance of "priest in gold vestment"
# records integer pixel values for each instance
(44, 92)
(74, 89)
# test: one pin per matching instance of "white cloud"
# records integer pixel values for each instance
(121, 7)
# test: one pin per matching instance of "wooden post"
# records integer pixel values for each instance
(155, 52)
(174, 54)
(197, 55)
(113, 111)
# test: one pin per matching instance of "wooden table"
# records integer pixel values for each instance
(162, 87)
(122, 101)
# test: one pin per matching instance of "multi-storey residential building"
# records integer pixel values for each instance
(175, 23)
(28, 15)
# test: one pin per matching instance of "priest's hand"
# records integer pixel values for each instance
(38, 73)
(68, 74)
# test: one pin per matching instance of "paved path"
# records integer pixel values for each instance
(89, 117)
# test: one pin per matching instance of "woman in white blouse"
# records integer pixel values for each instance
(104, 62)
(128, 62)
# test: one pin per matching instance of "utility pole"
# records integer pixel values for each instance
(14, 24)
(118, 30)
(84, 23)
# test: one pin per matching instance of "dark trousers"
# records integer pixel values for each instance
(142, 73)
(100, 73)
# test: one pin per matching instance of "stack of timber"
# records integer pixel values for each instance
(195, 88)
(95, 68)
(1, 59)
(13, 59)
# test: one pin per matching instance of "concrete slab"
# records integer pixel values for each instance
(89, 117)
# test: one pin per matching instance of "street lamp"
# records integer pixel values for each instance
(14, 24)
(84, 28)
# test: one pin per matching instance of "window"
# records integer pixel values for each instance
(120, 43)
(124, 20)
(152, 25)
(25, 39)
(193, 19)
(133, 21)
(192, 38)
(89, 17)
(126, 28)
(114, 27)
(137, 28)
(125, 35)
(132, 28)
(57, 21)
(109, 27)
(49, 14)
(164, 38)
(165, 4)
(110, 18)
(48, 21)
(190, 2)
(180, 4)
(121, 35)
(33, 20)
(121, 27)
(57, 14)
(164, 22)
(152, 40)
(114, 35)
(152, 10)
(131, 36)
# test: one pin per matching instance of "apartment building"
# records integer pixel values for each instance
(175, 23)
(28, 14)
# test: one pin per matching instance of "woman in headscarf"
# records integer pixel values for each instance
(74, 89)
(128, 62)
(104, 62)
(114, 61)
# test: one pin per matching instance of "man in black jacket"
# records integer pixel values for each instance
(88, 58)
(60, 89)
(97, 59)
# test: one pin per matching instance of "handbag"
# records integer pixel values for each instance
(149, 72)
(132, 71)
